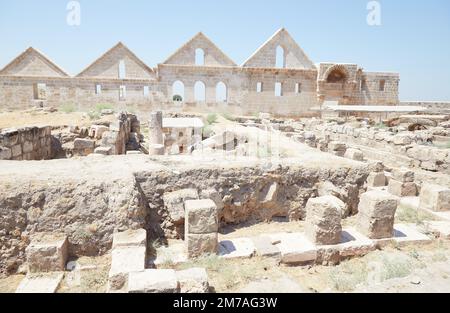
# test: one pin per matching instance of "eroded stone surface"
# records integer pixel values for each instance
(323, 220)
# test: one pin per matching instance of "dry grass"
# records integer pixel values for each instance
(10, 284)
(41, 118)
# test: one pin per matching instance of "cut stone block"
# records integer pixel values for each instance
(193, 280)
(354, 154)
(155, 149)
(103, 150)
(201, 217)
(130, 238)
(403, 175)
(376, 214)
(323, 220)
(435, 197)
(400, 189)
(40, 283)
(200, 244)
(153, 281)
(174, 253)
(405, 234)
(237, 248)
(47, 252)
(123, 261)
(376, 179)
(265, 248)
(354, 243)
(174, 203)
(439, 228)
(294, 248)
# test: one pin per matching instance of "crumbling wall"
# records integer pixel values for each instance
(28, 143)
(416, 147)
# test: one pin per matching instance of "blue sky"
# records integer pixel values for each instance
(414, 38)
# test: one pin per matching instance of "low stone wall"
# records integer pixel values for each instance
(417, 146)
(28, 143)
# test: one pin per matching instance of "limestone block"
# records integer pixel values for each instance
(400, 189)
(16, 150)
(237, 248)
(434, 197)
(323, 220)
(337, 146)
(123, 261)
(201, 217)
(27, 147)
(130, 238)
(354, 154)
(265, 248)
(47, 252)
(5, 153)
(153, 281)
(403, 175)
(376, 214)
(376, 179)
(199, 244)
(193, 280)
(174, 203)
(103, 150)
(97, 131)
(214, 195)
(84, 144)
(40, 283)
(156, 149)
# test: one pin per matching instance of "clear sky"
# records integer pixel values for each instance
(413, 38)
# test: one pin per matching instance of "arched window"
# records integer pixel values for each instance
(221, 92)
(200, 91)
(122, 69)
(337, 76)
(280, 60)
(199, 57)
(178, 91)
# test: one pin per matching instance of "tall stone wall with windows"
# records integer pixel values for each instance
(278, 78)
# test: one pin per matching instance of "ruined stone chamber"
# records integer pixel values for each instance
(89, 199)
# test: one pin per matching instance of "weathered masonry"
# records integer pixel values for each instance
(278, 78)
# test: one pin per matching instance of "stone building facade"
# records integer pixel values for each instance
(278, 78)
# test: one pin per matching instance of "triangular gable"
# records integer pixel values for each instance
(107, 66)
(213, 55)
(32, 63)
(265, 56)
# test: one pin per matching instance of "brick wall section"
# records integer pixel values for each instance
(28, 143)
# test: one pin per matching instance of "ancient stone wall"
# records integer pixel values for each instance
(28, 143)
(120, 78)
(415, 148)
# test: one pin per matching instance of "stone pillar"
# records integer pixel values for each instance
(156, 139)
(323, 220)
(376, 214)
(402, 183)
(201, 227)
(435, 198)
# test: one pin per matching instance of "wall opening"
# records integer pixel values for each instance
(278, 89)
(382, 85)
(178, 91)
(337, 76)
(122, 93)
(199, 57)
(122, 69)
(98, 89)
(298, 88)
(259, 87)
(40, 91)
(221, 92)
(146, 91)
(280, 61)
(200, 91)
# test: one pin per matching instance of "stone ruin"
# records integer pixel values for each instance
(185, 194)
